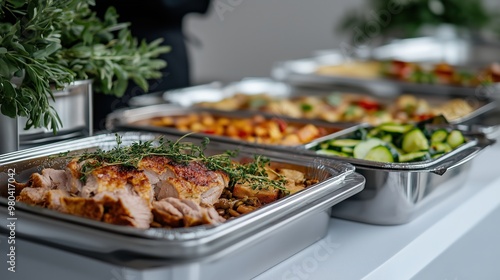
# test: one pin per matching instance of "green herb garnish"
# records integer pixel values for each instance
(253, 173)
(305, 107)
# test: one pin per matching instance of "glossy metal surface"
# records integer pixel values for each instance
(139, 118)
(73, 104)
(303, 73)
(9, 138)
(47, 226)
(396, 193)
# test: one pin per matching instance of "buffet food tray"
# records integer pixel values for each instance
(258, 90)
(141, 119)
(397, 193)
(182, 244)
(303, 72)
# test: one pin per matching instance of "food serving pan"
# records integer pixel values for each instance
(397, 193)
(209, 96)
(140, 119)
(302, 72)
(181, 244)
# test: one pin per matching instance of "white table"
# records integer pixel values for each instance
(456, 239)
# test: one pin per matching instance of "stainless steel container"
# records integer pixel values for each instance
(138, 119)
(302, 72)
(73, 104)
(193, 96)
(235, 248)
(397, 193)
(9, 137)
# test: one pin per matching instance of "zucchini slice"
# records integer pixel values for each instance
(396, 128)
(380, 153)
(440, 147)
(332, 153)
(362, 149)
(414, 141)
(412, 157)
(455, 139)
(344, 143)
(439, 135)
(347, 150)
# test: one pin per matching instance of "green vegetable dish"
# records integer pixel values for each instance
(394, 143)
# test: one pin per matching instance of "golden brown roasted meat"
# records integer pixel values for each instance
(174, 212)
(192, 181)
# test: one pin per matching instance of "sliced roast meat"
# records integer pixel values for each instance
(83, 207)
(174, 212)
(124, 208)
(118, 179)
(42, 197)
(33, 196)
(185, 181)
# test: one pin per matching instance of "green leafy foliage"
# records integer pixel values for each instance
(48, 44)
(406, 17)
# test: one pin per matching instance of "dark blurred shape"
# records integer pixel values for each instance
(150, 20)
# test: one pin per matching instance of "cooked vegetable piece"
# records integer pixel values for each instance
(331, 152)
(380, 153)
(455, 139)
(417, 156)
(387, 138)
(347, 150)
(441, 147)
(439, 135)
(344, 142)
(362, 149)
(414, 141)
(396, 128)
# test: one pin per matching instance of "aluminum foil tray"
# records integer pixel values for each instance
(183, 244)
(397, 193)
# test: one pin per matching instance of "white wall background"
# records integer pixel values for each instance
(246, 38)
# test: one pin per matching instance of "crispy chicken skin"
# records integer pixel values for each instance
(185, 181)
(117, 178)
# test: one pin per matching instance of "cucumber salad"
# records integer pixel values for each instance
(394, 143)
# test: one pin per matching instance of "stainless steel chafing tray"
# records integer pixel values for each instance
(337, 182)
(192, 96)
(302, 72)
(139, 119)
(396, 193)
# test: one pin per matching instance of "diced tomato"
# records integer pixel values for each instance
(401, 69)
(209, 131)
(242, 134)
(281, 124)
(368, 104)
(424, 117)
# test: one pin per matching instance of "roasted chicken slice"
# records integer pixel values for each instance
(174, 212)
(42, 197)
(110, 178)
(185, 181)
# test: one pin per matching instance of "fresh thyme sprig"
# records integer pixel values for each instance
(253, 173)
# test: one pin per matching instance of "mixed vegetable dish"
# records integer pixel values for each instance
(391, 142)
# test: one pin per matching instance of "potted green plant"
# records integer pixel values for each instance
(46, 45)
(407, 18)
